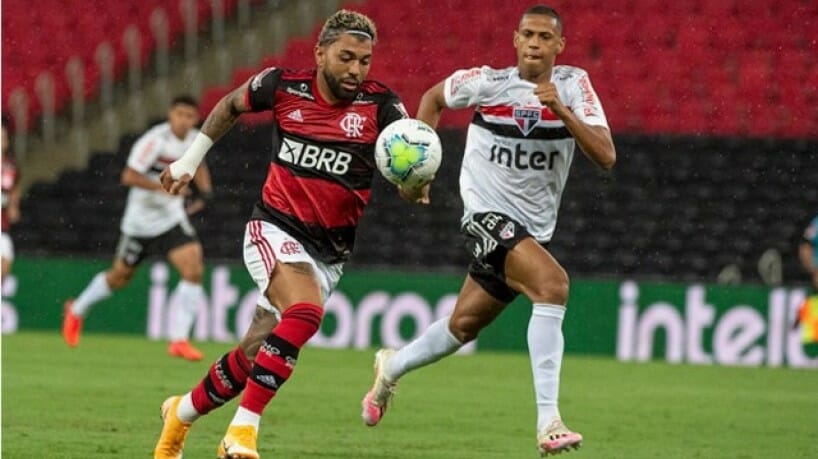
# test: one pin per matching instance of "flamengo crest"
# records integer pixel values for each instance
(353, 125)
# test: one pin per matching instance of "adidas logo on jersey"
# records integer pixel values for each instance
(295, 115)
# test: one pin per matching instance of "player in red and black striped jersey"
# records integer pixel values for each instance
(326, 122)
(320, 175)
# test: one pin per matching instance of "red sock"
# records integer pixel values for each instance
(225, 379)
(278, 355)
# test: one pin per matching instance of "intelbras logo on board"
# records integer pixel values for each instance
(708, 331)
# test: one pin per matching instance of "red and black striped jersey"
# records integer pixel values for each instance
(320, 174)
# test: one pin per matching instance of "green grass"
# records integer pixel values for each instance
(102, 400)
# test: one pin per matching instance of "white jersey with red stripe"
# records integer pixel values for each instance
(151, 213)
(518, 152)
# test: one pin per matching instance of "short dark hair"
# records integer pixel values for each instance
(350, 22)
(185, 99)
(545, 11)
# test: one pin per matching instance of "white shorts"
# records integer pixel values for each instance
(265, 244)
(6, 247)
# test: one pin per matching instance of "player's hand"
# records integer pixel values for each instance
(415, 195)
(172, 186)
(546, 91)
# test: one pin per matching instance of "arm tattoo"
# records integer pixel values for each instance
(260, 315)
(223, 117)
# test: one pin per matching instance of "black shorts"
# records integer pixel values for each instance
(132, 250)
(490, 235)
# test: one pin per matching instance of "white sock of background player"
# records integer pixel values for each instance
(185, 301)
(96, 291)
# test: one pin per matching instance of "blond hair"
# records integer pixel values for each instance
(346, 21)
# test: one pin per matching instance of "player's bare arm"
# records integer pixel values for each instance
(224, 115)
(14, 205)
(431, 105)
(595, 141)
(132, 178)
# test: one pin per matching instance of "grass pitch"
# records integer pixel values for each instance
(102, 400)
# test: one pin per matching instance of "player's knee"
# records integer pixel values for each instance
(553, 290)
(117, 279)
(192, 272)
(464, 328)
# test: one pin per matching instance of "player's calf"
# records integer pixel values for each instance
(225, 379)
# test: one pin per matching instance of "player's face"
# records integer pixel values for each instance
(344, 64)
(182, 119)
(538, 41)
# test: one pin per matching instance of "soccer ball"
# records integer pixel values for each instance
(408, 152)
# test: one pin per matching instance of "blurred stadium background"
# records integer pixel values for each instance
(686, 251)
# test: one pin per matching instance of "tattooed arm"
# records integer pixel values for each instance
(224, 115)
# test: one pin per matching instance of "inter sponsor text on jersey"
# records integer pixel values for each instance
(320, 175)
(10, 176)
(151, 213)
(518, 152)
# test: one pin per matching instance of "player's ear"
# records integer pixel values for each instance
(319, 55)
(561, 46)
(516, 37)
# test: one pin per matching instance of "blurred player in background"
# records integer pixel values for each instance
(11, 203)
(155, 223)
(519, 149)
(807, 317)
(808, 251)
(302, 231)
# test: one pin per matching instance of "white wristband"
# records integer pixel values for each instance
(189, 162)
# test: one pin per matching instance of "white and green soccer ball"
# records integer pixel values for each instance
(408, 152)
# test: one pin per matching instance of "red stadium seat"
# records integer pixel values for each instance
(46, 41)
(726, 54)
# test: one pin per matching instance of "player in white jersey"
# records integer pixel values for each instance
(519, 148)
(155, 223)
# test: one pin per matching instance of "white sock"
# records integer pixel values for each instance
(186, 412)
(186, 300)
(245, 417)
(95, 292)
(432, 345)
(546, 345)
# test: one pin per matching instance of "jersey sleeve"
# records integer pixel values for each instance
(462, 88)
(144, 152)
(262, 89)
(585, 103)
(390, 111)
